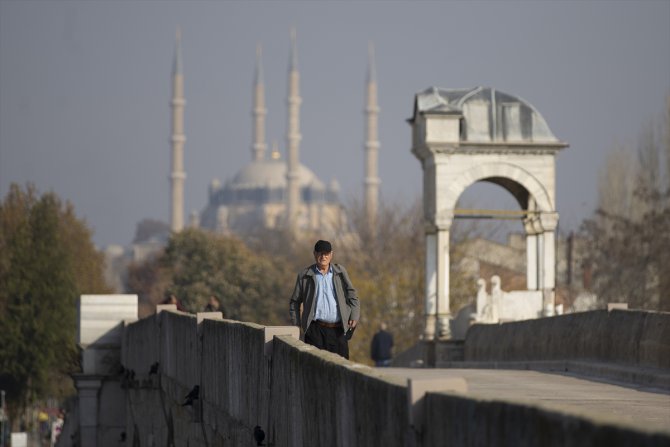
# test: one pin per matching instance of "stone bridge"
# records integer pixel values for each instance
(595, 378)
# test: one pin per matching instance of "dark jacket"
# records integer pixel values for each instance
(305, 291)
(381, 346)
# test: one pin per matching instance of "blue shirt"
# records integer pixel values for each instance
(326, 303)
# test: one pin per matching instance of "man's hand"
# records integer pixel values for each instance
(352, 323)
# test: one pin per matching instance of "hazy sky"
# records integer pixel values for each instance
(85, 90)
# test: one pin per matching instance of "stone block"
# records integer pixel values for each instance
(654, 342)
(208, 315)
(271, 331)
(448, 351)
(442, 129)
(624, 329)
(619, 306)
(169, 307)
(19, 439)
(416, 392)
(521, 305)
(100, 318)
(100, 360)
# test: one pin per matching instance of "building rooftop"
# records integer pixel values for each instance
(271, 174)
(489, 115)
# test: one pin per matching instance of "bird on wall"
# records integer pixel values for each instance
(154, 369)
(191, 396)
(128, 378)
(259, 435)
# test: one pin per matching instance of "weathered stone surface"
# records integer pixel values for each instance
(635, 338)
(304, 396)
(100, 316)
(464, 420)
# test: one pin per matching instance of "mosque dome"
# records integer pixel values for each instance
(488, 115)
(271, 174)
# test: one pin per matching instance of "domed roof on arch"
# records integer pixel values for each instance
(490, 115)
(272, 174)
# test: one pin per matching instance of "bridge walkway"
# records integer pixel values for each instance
(646, 408)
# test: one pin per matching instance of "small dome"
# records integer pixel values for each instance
(489, 115)
(271, 174)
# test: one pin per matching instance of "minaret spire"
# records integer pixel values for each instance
(372, 67)
(293, 137)
(293, 64)
(177, 176)
(372, 181)
(259, 111)
(177, 65)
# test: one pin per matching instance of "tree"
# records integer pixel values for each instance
(196, 264)
(46, 260)
(386, 267)
(629, 235)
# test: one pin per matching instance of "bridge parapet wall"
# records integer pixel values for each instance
(235, 383)
(628, 337)
(303, 396)
(466, 420)
(318, 398)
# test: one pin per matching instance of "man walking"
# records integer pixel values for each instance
(381, 347)
(330, 307)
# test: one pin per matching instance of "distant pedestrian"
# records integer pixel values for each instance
(381, 348)
(172, 299)
(214, 305)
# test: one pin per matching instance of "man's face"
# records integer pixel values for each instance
(323, 258)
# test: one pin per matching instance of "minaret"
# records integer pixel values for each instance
(177, 175)
(259, 112)
(293, 137)
(372, 181)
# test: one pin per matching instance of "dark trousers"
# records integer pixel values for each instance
(330, 339)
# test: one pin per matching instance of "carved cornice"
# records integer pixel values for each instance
(426, 150)
(541, 222)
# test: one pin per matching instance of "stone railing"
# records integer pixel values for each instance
(626, 337)
(251, 377)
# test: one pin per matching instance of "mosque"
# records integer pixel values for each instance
(270, 192)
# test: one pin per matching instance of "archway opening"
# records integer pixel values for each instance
(487, 238)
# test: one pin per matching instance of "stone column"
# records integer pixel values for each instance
(89, 389)
(532, 227)
(431, 287)
(438, 225)
(434, 137)
(531, 260)
(549, 222)
(443, 310)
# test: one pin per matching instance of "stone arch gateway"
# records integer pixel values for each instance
(462, 136)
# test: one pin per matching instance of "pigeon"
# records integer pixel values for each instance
(154, 369)
(259, 435)
(191, 396)
(128, 378)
